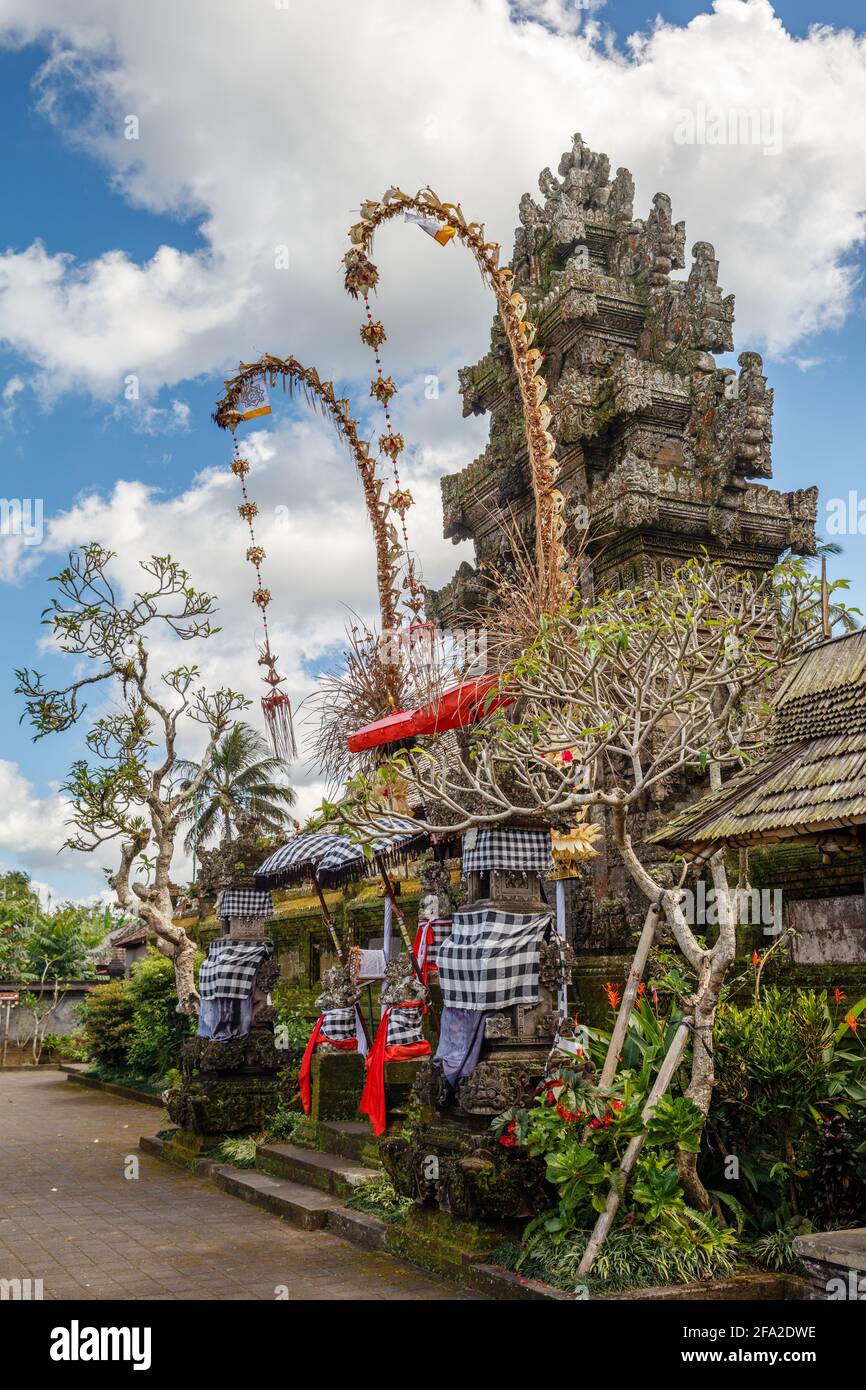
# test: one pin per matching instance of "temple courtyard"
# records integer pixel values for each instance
(70, 1215)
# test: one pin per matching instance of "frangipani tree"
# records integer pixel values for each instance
(133, 789)
(610, 701)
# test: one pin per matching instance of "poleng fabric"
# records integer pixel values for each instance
(431, 932)
(338, 1028)
(491, 959)
(244, 902)
(398, 1039)
(522, 851)
(229, 972)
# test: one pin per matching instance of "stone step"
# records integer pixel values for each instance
(346, 1139)
(326, 1171)
(300, 1205)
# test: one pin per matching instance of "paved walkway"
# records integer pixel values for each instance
(70, 1217)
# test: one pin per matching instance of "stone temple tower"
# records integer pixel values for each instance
(666, 453)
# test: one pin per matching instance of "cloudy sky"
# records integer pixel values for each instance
(215, 233)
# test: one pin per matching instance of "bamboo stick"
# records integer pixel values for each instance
(666, 1072)
(635, 975)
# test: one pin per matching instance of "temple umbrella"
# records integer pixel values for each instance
(329, 856)
(463, 704)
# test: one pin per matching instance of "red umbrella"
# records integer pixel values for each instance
(462, 705)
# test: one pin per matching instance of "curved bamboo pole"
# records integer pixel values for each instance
(321, 394)
(361, 275)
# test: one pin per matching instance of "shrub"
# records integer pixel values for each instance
(629, 1259)
(69, 1047)
(158, 1030)
(293, 1028)
(790, 1106)
(107, 1021)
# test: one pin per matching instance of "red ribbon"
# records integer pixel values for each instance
(373, 1096)
(344, 1044)
(425, 937)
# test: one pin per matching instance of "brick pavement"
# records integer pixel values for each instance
(68, 1215)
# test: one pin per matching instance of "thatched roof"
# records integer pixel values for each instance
(813, 777)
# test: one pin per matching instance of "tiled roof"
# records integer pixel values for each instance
(813, 776)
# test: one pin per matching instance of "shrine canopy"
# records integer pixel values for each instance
(810, 785)
(462, 705)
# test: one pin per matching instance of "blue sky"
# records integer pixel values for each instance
(65, 431)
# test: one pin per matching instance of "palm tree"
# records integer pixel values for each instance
(244, 778)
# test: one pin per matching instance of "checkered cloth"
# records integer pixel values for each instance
(339, 1025)
(432, 931)
(333, 856)
(490, 960)
(244, 902)
(524, 851)
(404, 1026)
(230, 969)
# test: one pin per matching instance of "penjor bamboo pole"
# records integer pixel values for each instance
(662, 1082)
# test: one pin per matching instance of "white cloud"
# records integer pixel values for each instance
(272, 124)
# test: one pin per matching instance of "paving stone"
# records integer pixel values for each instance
(166, 1235)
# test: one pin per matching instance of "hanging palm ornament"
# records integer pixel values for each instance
(445, 221)
(392, 444)
(276, 706)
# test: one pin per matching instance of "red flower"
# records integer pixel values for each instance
(655, 997)
(852, 1022)
(595, 1123)
(840, 995)
(613, 995)
(507, 1138)
(607, 1120)
(567, 755)
(617, 1104)
(755, 959)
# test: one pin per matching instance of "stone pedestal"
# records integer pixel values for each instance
(452, 1160)
(835, 1264)
(231, 1087)
(336, 1082)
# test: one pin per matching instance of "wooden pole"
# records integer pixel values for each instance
(332, 932)
(328, 920)
(665, 1075)
(6, 1032)
(635, 975)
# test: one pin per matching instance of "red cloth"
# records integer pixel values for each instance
(345, 1045)
(373, 1096)
(425, 937)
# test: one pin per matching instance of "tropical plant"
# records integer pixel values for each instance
(243, 778)
(158, 1030)
(107, 1022)
(789, 1108)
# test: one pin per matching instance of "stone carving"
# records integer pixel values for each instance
(654, 440)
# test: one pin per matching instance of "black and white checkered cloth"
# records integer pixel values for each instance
(333, 856)
(230, 969)
(339, 1025)
(490, 960)
(404, 1027)
(294, 860)
(244, 902)
(523, 851)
